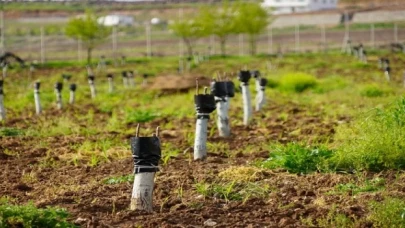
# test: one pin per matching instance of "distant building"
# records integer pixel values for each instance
(113, 20)
(292, 6)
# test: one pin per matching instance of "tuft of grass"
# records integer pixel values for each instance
(297, 158)
(297, 82)
(335, 219)
(375, 142)
(119, 179)
(10, 132)
(374, 90)
(373, 185)
(330, 84)
(388, 213)
(241, 174)
(30, 216)
(140, 116)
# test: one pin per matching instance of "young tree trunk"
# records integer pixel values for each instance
(252, 42)
(89, 50)
(222, 40)
(189, 47)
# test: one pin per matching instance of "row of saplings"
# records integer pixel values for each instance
(146, 151)
(127, 77)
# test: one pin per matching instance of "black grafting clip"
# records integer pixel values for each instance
(244, 76)
(219, 89)
(91, 78)
(230, 88)
(124, 74)
(109, 76)
(37, 86)
(146, 153)
(59, 86)
(73, 87)
(255, 73)
(66, 77)
(263, 82)
(204, 103)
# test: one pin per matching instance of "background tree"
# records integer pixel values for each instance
(189, 30)
(252, 20)
(87, 30)
(220, 22)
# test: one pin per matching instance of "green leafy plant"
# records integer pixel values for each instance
(119, 179)
(373, 142)
(388, 213)
(297, 158)
(139, 116)
(10, 132)
(373, 90)
(297, 82)
(335, 219)
(30, 216)
(354, 189)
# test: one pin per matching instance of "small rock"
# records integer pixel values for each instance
(210, 222)
(79, 221)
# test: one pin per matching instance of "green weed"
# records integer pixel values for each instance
(374, 90)
(373, 185)
(139, 116)
(297, 158)
(30, 216)
(388, 213)
(119, 179)
(297, 82)
(335, 219)
(11, 132)
(375, 142)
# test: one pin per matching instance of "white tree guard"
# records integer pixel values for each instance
(260, 98)
(125, 82)
(5, 71)
(142, 192)
(72, 97)
(387, 75)
(58, 100)
(223, 118)
(2, 109)
(200, 143)
(38, 108)
(110, 85)
(247, 107)
(92, 90)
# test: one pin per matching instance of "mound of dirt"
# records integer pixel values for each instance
(179, 83)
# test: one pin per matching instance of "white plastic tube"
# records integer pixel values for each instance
(2, 109)
(72, 97)
(247, 107)
(125, 82)
(387, 75)
(58, 99)
(5, 71)
(38, 108)
(260, 98)
(200, 143)
(110, 85)
(92, 89)
(222, 118)
(142, 192)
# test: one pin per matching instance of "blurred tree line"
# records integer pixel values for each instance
(231, 18)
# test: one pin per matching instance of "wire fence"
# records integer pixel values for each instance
(157, 42)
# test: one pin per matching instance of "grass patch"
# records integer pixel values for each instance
(388, 213)
(140, 116)
(297, 82)
(10, 132)
(374, 90)
(30, 216)
(119, 179)
(297, 158)
(373, 185)
(375, 142)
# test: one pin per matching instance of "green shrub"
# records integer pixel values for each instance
(330, 84)
(388, 213)
(375, 142)
(373, 90)
(271, 83)
(297, 158)
(297, 82)
(138, 116)
(30, 216)
(10, 132)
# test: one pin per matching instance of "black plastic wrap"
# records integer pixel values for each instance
(230, 87)
(109, 75)
(244, 76)
(255, 73)
(388, 69)
(204, 103)
(219, 89)
(91, 78)
(124, 74)
(58, 86)
(66, 76)
(37, 85)
(73, 87)
(145, 76)
(263, 82)
(146, 153)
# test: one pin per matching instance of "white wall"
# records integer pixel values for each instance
(290, 6)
